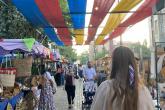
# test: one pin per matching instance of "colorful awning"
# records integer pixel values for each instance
(34, 16)
(10, 45)
(52, 12)
(100, 9)
(50, 32)
(63, 20)
(115, 19)
(77, 13)
(144, 11)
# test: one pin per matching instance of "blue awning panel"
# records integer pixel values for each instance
(32, 13)
(78, 10)
(50, 32)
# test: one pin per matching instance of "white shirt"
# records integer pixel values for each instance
(89, 73)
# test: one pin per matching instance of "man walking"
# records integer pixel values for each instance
(89, 72)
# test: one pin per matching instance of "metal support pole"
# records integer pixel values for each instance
(157, 86)
(121, 42)
(157, 78)
(154, 44)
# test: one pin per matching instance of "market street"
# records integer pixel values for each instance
(82, 54)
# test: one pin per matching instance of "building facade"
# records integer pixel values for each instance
(157, 24)
(95, 49)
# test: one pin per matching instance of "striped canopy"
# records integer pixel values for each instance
(65, 23)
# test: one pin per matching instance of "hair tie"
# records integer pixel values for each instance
(131, 76)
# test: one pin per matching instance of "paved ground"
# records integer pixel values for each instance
(61, 97)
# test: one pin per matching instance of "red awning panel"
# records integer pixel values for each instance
(53, 13)
(100, 9)
(65, 35)
(144, 11)
(118, 31)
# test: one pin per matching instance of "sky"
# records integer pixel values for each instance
(137, 33)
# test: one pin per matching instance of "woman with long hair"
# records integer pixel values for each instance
(70, 86)
(46, 101)
(123, 91)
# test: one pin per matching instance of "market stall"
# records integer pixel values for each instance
(104, 64)
(18, 57)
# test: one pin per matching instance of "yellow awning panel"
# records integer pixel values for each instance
(115, 19)
(79, 36)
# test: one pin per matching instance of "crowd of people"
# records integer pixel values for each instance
(123, 90)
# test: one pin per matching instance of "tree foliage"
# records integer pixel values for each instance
(69, 53)
(137, 46)
(13, 25)
(101, 54)
(84, 57)
(65, 9)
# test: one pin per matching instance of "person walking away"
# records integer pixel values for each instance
(124, 91)
(80, 71)
(70, 86)
(46, 101)
(62, 75)
(101, 77)
(58, 74)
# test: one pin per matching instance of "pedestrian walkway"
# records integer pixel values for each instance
(61, 97)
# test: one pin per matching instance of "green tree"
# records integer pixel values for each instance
(101, 54)
(136, 49)
(145, 43)
(68, 52)
(65, 9)
(15, 26)
(84, 57)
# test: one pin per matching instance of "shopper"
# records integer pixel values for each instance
(58, 74)
(80, 71)
(46, 101)
(89, 72)
(102, 76)
(123, 91)
(70, 86)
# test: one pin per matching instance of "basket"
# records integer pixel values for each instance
(163, 72)
(23, 66)
(7, 75)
